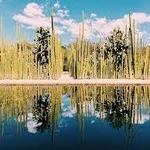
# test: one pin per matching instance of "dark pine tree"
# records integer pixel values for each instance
(41, 48)
(117, 48)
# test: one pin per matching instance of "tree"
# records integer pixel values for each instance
(117, 111)
(41, 48)
(117, 48)
(41, 112)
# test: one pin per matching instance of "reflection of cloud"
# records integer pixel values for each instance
(97, 115)
(92, 121)
(89, 109)
(62, 123)
(67, 110)
(68, 114)
(32, 124)
(141, 119)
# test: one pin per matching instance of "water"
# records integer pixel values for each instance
(106, 118)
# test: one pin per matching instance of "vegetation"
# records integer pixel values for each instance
(117, 49)
(23, 60)
(41, 46)
(120, 106)
(121, 55)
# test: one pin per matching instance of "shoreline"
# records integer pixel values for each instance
(77, 82)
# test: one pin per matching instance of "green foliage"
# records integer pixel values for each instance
(41, 48)
(117, 112)
(40, 113)
(117, 48)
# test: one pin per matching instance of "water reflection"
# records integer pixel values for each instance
(38, 120)
(76, 112)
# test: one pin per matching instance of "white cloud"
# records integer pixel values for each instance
(32, 22)
(93, 15)
(33, 9)
(95, 27)
(140, 17)
(63, 13)
(57, 5)
(32, 16)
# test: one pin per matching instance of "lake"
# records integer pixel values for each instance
(75, 117)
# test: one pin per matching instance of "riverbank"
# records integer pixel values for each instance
(63, 81)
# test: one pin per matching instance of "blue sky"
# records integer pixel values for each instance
(100, 13)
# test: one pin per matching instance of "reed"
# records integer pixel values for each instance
(17, 59)
(56, 54)
(87, 59)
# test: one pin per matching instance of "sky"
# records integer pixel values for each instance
(100, 17)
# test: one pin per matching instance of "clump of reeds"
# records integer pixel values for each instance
(17, 60)
(87, 59)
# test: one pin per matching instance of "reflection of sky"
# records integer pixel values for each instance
(94, 132)
(141, 119)
(32, 124)
(69, 113)
(66, 108)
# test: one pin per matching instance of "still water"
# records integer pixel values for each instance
(82, 117)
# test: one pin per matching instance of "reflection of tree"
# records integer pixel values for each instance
(120, 111)
(117, 112)
(56, 96)
(117, 105)
(121, 106)
(41, 111)
(46, 109)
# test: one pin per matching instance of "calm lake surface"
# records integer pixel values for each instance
(82, 117)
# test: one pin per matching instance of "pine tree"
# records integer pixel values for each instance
(116, 47)
(41, 48)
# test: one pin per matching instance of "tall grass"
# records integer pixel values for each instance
(87, 59)
(17, 59)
